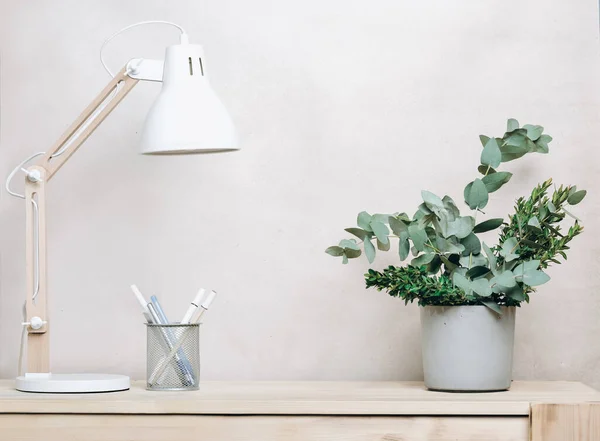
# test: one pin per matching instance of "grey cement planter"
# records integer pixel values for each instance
(467, 348)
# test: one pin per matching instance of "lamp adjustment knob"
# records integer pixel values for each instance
(33, 175)
(35, 323)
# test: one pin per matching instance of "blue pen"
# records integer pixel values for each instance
(181, 360)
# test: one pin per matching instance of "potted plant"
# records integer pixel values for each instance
(468, 290)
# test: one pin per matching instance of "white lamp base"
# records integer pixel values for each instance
(72, 383)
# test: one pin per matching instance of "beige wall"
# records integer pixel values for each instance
(341, 106)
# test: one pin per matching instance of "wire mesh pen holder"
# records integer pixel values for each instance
(173, 357)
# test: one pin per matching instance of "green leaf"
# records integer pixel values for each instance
(534, 222)
(576, 197)
(423, 259)
(450, 266)
(551, 207)
(535, 278)
(450, 206)
(514, 147)
(533, 132)
(448, 246)
(477, 271)
(491, 154)
(521, 269)
(433, 202)
(369, 250)
(496, 180)
(531, 244)
(398, 227)
(335, 251)
(493, 306)
(492, 258)
(484, 139)
(472, 245)
(462, 282)
(505, 279)
(383, 246)
(418, 236)
(381, 231)
(488, 225)
(404, 247)
(509, 248)
(482, 287)
(541, 145)
(476, 195)
(358, 232)
(424, 209)
(461, 227)
(435, 265)
(349, 243)
(516, 293)
(517, 139)
(352, 254)
(485, 170)
(379, 217)
(364, 220)
(512, 124)
(344, 259)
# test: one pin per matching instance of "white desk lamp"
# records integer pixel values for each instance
(187, 117)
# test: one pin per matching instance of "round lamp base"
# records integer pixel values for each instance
(72, 383)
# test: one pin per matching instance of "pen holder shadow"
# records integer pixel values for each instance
(173, 357)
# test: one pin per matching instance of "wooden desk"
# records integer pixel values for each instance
(305, 411)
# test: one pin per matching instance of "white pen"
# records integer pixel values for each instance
(143, 303)
(192, 308)
(205, 304)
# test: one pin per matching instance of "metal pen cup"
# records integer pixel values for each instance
(173, 356)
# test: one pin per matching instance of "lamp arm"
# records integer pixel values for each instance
(120, 86)
(38, 339)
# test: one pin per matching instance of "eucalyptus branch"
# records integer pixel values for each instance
(451, 266)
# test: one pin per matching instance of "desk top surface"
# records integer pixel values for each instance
(300, 398)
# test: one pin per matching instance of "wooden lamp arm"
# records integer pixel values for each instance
(122, 83)
(38, 353)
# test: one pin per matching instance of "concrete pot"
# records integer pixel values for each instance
(467, 348)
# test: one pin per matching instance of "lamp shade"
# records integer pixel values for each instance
(187, 116)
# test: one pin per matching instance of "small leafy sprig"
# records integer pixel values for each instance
(443, 241)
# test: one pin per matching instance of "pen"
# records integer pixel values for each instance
(143, 303)
(180, 358)
(187, 378)
(193, 306)
(161, 368)
(205, 304)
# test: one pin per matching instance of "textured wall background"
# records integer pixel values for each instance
(340, 106)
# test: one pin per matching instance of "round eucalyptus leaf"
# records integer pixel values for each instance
(476, 195)
(496, 180)
(512, 125)
(485, 170)
(491, 154)
(576, 197)
(369, 250)
(335, 251)
(381, 231)
(363, 220)
(535, 278)
(423, 259)
(472, 245)
(477, 271)
(359, 232)
(481, 287)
